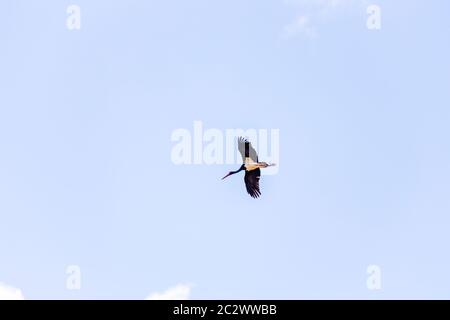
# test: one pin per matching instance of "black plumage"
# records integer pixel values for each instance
(251, 165)
(251, 180)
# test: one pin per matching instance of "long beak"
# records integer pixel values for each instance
(226, 176)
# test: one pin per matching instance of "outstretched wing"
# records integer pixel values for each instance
(246, 150)
(251, 179)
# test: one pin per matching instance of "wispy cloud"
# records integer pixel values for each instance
(179, 292)
(301, 25)
(322, 4)
(10, 293)
(310, 12)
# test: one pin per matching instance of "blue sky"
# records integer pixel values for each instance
(86, 177)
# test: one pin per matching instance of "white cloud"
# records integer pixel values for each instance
(301, 25)
(10, 293)
(311, 12)
(179, 292)
(322, 4)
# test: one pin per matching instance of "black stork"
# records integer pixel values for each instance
(252, 167)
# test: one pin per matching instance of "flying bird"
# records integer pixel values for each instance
(252, 167)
